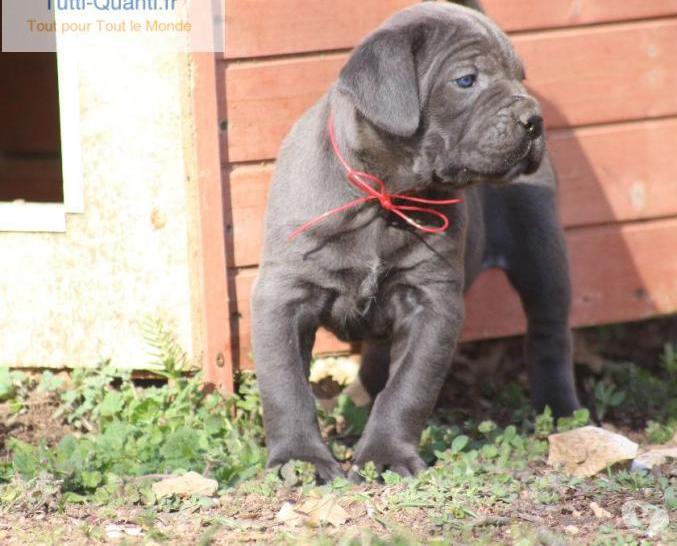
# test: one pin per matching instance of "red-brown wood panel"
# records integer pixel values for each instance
(616, 173)
(265, 99)
(212, 297)
(607, 174)
(272, 27)
(583, 76)
(620, 273)
(514, 15)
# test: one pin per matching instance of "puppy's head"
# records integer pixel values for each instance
(445, 83)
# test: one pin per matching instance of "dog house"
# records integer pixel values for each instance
(161, 199)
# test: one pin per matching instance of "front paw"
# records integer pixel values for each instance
(403, 460)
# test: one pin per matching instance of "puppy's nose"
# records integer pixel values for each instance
(534, 126)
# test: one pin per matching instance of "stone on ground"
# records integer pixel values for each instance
(588, 450)
(656, 456)
(189, 485)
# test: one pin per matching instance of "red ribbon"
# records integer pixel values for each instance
(359, 180)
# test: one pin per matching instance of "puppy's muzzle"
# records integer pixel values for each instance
(533, 126)
(527, 114)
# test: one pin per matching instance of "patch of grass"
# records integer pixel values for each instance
(14, 388)
(347, 419)
(660, 433)
(644, 392)
(487, 483)
(544, 424)
(129, 432)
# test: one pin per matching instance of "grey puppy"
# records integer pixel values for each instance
(433, 104)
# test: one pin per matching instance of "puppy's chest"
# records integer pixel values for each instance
(360, 299)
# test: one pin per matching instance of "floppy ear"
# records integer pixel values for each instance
(380, 77)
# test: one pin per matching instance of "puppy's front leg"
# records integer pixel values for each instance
(283, 333)
(426, 328)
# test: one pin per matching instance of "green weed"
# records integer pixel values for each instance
(659, 433)
(669, 359)
(134, 432)
(14, 388)
(481, 473)
(544, 424)
(607, 396)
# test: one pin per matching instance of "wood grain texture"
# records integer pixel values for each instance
(607, 174)
(272, 27)
(583, 76)
(619, 272)
(211, 295)
(263, 27)
(265, 99)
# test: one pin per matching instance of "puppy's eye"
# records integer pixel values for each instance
(466, 81)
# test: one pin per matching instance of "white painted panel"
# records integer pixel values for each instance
(35, 217)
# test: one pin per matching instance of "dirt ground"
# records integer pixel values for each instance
(242, 518)
(548, 508)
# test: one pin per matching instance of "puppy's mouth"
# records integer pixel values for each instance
(526, 161)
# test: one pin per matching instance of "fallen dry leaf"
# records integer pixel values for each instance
(315, 512)
(118, 531)
(600, 513)
(188, 485)
(324, 510)
(288, 515)
(587, 450)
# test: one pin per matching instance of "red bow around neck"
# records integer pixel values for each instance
(375, 190)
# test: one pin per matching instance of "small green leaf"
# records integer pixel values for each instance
(545, 424)
(112, 404)
(6, 384)
(91, 479)
(671, 498)
(459, 443)
(489, 451)
(509, 434)
(49, 382)
(74, 498)
(617, 398)
(355, 417)
(369, 472)
(391, 478)
(580, 418)
(485, 427)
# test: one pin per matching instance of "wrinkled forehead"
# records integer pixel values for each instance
(460, 34)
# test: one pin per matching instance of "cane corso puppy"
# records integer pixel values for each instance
(428, 109)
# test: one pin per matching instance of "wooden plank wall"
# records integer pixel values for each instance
(606, 74)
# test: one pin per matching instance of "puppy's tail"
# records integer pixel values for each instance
(473, 4)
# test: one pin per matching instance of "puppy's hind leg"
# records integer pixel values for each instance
(538, 269)
(283, 333)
